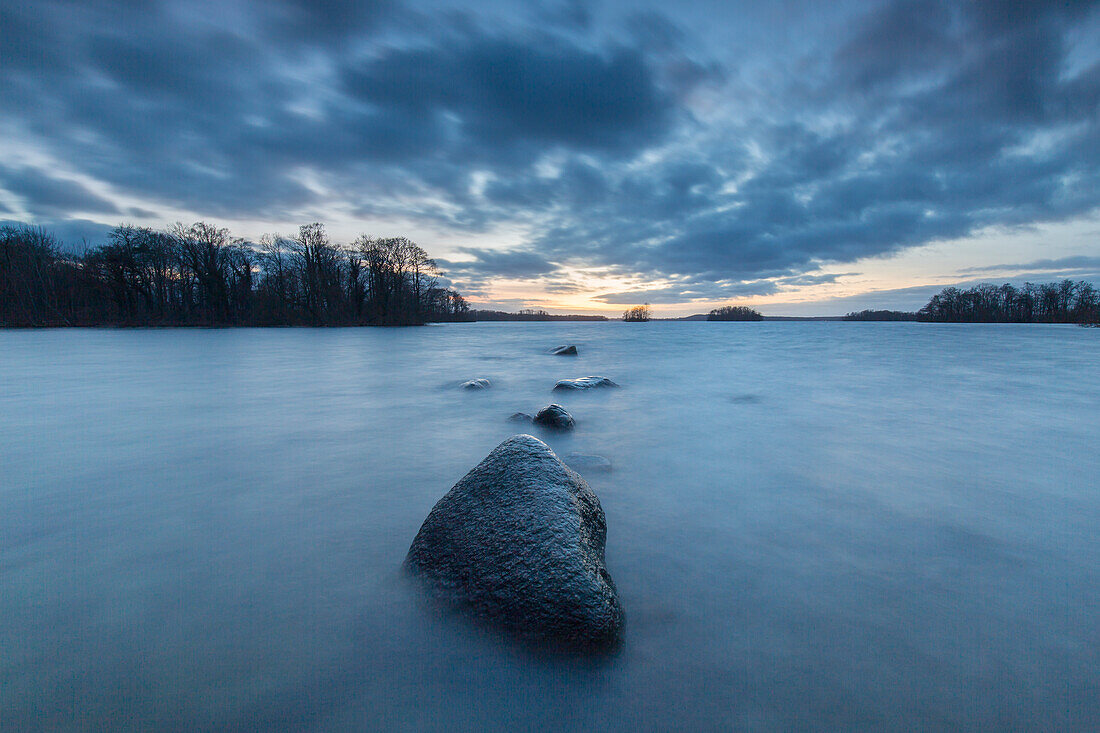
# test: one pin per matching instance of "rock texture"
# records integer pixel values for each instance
(477, 384)
(570, 350)
(585, 383)
(554, 416)
(520, 541)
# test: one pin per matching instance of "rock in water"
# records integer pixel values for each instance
(520, 540)
(585, 383)
(587, 463)
(554, 416)
(477, 384)
(570, 350)
(519, 417)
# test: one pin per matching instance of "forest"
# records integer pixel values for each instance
(200, 275)
(1061, 302)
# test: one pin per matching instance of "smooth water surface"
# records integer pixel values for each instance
(811, 525)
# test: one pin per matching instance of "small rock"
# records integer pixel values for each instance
(520, 417)
(554, 416)
(570, 350)
(585, 383)
(477, 384)
(588, 463)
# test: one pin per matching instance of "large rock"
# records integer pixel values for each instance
(554, 416)
(585, 383)
(570, 350)
(477, 384)
(520, 541)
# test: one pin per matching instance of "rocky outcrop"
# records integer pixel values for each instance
(520, 542)
(585, 383)
(554, 416)
(476, 384)
(569, 350)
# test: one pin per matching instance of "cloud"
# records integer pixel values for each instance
(886, 153)
(49, 196)
(498, 263)
(686, 292)
(804, 280)
(72, 234)
(324, 21)
(895, 42)
(216, 117)
(621, 140)
(494, 93)
(1079, 262)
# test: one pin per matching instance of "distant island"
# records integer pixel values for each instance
(881, 315)
(734, 313)
(527, 314)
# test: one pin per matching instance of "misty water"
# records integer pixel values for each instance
(810, 525)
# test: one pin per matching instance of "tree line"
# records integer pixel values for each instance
(880, 315)
(201, 275)
(1061, 302)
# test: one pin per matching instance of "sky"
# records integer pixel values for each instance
(803, 158)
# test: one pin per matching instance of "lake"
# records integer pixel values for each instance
(811, 525)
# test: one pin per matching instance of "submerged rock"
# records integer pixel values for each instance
(588, 463)
(554, 416)
(477, 384)
(519, 417)
(520, 541)
(570, 350)
(585, 383)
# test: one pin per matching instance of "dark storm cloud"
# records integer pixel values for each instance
(900, 40)
(310, 21)
(931, 123)
(620, 139)
(228, 118)
(534, 93)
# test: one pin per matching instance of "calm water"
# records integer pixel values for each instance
(810, 525)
